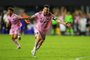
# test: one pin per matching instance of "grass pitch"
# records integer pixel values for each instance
(54, 48)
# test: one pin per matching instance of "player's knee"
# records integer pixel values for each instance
(15, 37)
(37, 38)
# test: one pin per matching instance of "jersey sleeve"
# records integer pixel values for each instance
(17, 17)
(35, 15)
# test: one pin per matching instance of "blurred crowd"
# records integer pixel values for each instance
(77, 22)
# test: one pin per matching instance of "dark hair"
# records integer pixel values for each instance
(11, 9)
(46, 6)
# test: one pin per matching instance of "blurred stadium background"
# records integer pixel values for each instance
(78, 10)
(62, 43)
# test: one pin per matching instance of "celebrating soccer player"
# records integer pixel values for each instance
(43, 22)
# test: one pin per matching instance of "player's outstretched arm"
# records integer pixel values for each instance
(61, 22)
(58, 20)
(20, 18)
(28, 18)
(32, 17)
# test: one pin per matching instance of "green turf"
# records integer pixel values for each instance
(54, 48)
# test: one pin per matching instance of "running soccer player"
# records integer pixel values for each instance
(43, 22)
(15, 25)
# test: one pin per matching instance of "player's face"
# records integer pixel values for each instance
(45, 10)
(9, 12)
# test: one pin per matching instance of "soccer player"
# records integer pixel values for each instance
(43, 22)
(15, 25)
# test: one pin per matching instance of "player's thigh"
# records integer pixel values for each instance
(37, 36)
(15, 33)
(15, 36)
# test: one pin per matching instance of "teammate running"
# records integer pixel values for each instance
(15, 25)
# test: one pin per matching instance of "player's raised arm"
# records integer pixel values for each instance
(58, 20)
(29, 17)
(32, 17)
(61, 22)
(20, 17)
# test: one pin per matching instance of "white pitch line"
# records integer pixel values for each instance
(77, 58)
(82, 57)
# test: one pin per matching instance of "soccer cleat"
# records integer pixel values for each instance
(19, 47)
(33, 53)
(19, 38)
